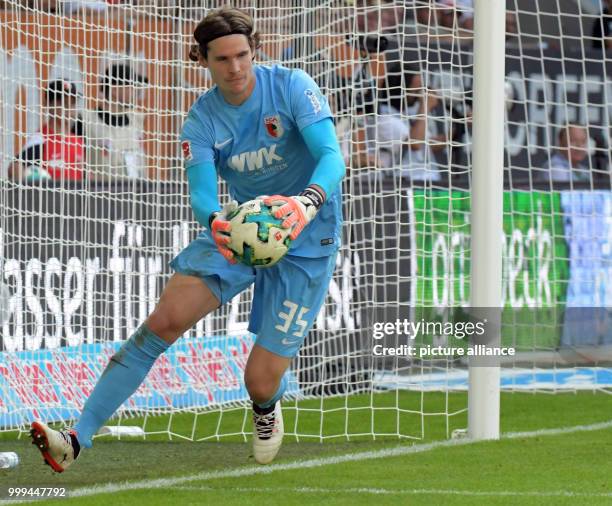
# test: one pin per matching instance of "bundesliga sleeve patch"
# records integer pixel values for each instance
(187, 155)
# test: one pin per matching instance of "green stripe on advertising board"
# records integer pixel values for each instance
(535, 260)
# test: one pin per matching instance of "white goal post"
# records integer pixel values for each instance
(487, 203)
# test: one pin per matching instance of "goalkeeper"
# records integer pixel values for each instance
(267, 131)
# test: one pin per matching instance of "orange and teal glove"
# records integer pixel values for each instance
(297, 211)
(221, 229)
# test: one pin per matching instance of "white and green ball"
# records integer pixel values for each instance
(257, 238)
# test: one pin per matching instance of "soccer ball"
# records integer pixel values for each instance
(257, 238)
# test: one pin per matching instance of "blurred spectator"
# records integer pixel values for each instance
(437, 19)
(511, 27)
(570, 162)
(375, 16)
(89, 6)
(460, 13)
(114, 130)
(448, 14)
(280, 27)
(602, 27)
(457, 16)
(50, 6)
(465, 9)
(394, 131)
(68, 7)
(422, 20)
(402, 133)
(356, 91)
(57, 152)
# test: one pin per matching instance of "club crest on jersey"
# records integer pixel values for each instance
(186, 146)
(274, 126)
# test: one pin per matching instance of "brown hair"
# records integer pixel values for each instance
(219, 23)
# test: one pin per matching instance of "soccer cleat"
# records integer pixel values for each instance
(59, 448)
(268, 434)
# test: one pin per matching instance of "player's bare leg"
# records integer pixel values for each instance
(264, 380)
(184, 301)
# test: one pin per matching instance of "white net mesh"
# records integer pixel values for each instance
(87, 230)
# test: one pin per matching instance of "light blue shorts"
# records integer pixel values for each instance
(286, 299)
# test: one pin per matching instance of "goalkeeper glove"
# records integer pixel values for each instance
(296, 211)
(221, 230)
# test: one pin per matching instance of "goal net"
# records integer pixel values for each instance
(84, 254)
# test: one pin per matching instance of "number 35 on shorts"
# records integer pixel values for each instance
(292, 320)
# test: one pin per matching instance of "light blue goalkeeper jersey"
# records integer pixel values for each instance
(257, 147)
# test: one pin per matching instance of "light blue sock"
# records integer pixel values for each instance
(121, 378)
(279, 393)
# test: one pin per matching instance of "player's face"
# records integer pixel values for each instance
(230, 62)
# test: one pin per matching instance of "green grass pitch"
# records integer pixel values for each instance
(531, 469)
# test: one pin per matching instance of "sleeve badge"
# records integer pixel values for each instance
(186, 147)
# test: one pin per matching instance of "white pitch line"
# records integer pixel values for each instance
(111, 488)
(390, 491)
(557, 431)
